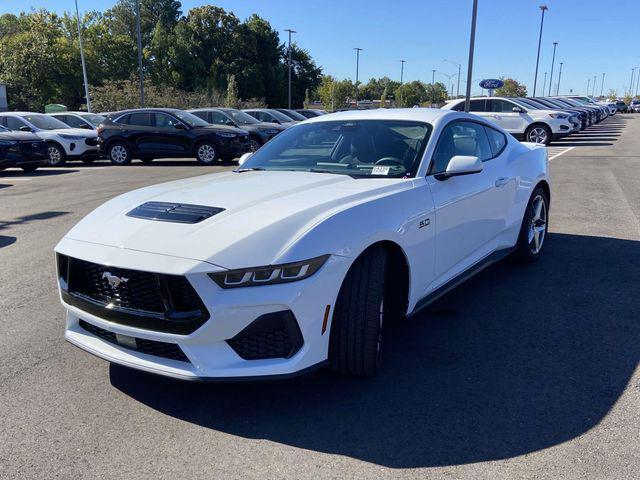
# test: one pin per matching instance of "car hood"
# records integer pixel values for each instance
(220, 128)
(264, 214)
(78, 132)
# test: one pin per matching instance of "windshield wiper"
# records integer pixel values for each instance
(252, 169)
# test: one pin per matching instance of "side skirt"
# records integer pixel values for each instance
(460, 278)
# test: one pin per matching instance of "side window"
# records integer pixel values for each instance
(140, 119)
(164, 121)
(122, 120)
(460, 138)
(14, 123)
(501, 106)
(459, 107)
(497, 140)
(74, 122)
(479, 105)
(202, 115)
(218, 118)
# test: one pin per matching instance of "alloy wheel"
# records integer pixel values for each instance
(538, 224)
(206, 153)
(55, 156)
(119, 154)
(538, 135)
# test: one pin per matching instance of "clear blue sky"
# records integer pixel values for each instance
(593, 36)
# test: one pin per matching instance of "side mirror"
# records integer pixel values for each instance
(25, 128)
(518, 109)
(87, 126)
(460, 165)
(180, 126)
(231, 123)
(244, 158)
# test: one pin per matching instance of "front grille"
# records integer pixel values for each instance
(274, 335)
(174, 212)
(152, 301)
(150, 347)
(92, 142)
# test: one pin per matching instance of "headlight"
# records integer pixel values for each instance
(270, 274)
(226, 134)
(559, 116)
(268, 131)
(70, 137)
(8, 143)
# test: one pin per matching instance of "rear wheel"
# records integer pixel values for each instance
(119, 154)
(538, 134)
(355, 344)
(207, 153)
(56, 155)
(534, 227)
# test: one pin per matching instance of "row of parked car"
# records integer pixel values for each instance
(539, 119)
(29, 140)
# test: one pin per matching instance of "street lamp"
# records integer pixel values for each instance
(139, 34)
(543, 8)
(433, 76)
(358, 50)
(472, 42)
(602, 84)
(559, 77)
(290, 32)
(402, 62)
(633, 71)
(637, 83)
(459, 67)
(544, 84)
(595, 77)
(553, 60)
(588, 83)
(84, 65)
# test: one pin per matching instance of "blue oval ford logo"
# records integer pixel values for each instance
(491, 84)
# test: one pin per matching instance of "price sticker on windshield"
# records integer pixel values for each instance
(379, 170)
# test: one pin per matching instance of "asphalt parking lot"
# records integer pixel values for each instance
(523, 372)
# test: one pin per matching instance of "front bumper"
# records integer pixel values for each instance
(25, 154)
(208, 349)
(82, 149)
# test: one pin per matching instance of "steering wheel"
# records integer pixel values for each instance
(390, 161)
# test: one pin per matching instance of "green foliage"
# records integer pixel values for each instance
(512, 88)
(196, 52)
(613, 95)
(231, 100)
(410, 94)
(383, 97)
(335, 94)
(373, 89)
(436, 93)
(307, 99)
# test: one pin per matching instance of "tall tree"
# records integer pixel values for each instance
(512, 88)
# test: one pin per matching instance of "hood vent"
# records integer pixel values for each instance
(174, 212)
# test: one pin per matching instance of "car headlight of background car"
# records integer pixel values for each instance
(269, 131)
(559, 116)
(270, 274)
(71, 137)
(226, 134)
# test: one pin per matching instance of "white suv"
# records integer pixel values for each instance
(63, 141)
(537, 126)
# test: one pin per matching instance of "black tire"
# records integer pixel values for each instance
(119, 153)
(30, 168)
(355, 343)
(526, 251)
(207, 153)
(57, 157)
(534, 133)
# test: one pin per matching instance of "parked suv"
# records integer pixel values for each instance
(64, 143)
(259, 132)
(24, 150)
(537, 126)
(270, 115)
(150, 133)
(634, 106)
(88, 121)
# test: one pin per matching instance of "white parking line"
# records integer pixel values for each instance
(567, 149)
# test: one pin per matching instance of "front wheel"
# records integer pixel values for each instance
(119, 154)
(534, 227)
(56, 155)
(207, 153)
(538, 134)
(355, 341)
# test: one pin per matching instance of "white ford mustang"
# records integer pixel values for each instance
(300, 256)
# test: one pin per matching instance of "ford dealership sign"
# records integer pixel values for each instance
(491, 84)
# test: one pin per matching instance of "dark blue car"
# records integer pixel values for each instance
(22, 149)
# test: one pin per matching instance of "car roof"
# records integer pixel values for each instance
(428, 115)
(21, 113)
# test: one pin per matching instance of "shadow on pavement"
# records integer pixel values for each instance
(518, 359)
(6, 241)
(43, 172)
(31, 218)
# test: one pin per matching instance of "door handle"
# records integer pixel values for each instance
(502, 181)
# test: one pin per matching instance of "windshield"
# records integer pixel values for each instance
(45, 122)
(293, 115)
(189, 118)
(93, 119)
(281, 116)
(359, 148)
(241, 118)
(523, 102)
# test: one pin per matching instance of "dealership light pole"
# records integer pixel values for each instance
(358, 50)
(472, 42)
(459, 67)
(290, 32)
(595, 80)
(637, 83)
(84, 65)
(544, 84)
(553, 60)
(602, 84)
(141, 73)
(559, 77)
(433, 76)
(633, 71)
(588, 84)
(402, 62)
(543, 8)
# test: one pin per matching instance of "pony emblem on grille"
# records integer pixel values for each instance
(113, 280)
